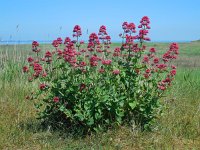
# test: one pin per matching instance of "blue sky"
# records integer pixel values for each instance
(171, 20)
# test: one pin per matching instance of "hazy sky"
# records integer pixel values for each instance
(47, 19)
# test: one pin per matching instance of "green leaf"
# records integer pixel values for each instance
(62, 108)
(68, 113)
(90, 121)
(133, 104)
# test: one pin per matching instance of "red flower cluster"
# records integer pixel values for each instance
(25, 69)
(82, 64)
(116, 52)
(102, 30)
(55, 43)
(147, 73)
(101, 70)
(144, 22)
(70, 53)
(129, 27)
(93, 41)
(161, 66)
(116, 72)
(167, 81)
(171, 53)
(56, 99)
(30, 59)
(37, 69)
(129, 39)
(152, 50)
(67, 40)
(94, 60)
(35, 46)
(77, 31)
(82, 87)
(129, 49)
(144, 25)
(145, 59)
(156, 60)
(59, 39)
(42, 86)
(48, 56)
(106, 62)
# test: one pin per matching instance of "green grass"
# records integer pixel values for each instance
(178, 127)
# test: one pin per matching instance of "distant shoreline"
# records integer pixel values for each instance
(49, 42)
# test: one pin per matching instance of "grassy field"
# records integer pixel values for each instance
(178, 127)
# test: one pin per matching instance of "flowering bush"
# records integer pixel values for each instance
(97, 87)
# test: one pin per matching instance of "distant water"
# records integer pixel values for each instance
(48, 42)
(22, 42)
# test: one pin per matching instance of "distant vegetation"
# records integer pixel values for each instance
(196, 40)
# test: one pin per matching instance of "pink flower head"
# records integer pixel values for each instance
(93, 37)
(59, 52)
(102, 30)
(116, 72)
(174, 47)
(25, 69)
(161, 66)
(147, 75)
(129, 39)
(56, 99)
(77, 31)
(162, 86)
(42, 86)
(125, 25)
(145, 59)
(117, 50)
(35, 44)
(59, 40)
(152, 50)
(48, 54)
(67, 40)
(94, 60)
(82, 87)
(131, 27)
(82, 64)
(167, 80)
(173, 72)
(42, 59)
(44, 74)
(30, 59)
(106, 62)
(37, 68)
(167, 56)
(145, 21)
(173, 67)
(143, 32)
(81, 42)
(83, 50)
(108, 38)
(148, 71)
(156, 60)
(55, 43)
(101, 70)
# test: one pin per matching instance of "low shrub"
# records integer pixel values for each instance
(97, 87)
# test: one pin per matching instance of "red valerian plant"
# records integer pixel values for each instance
(97, 87)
